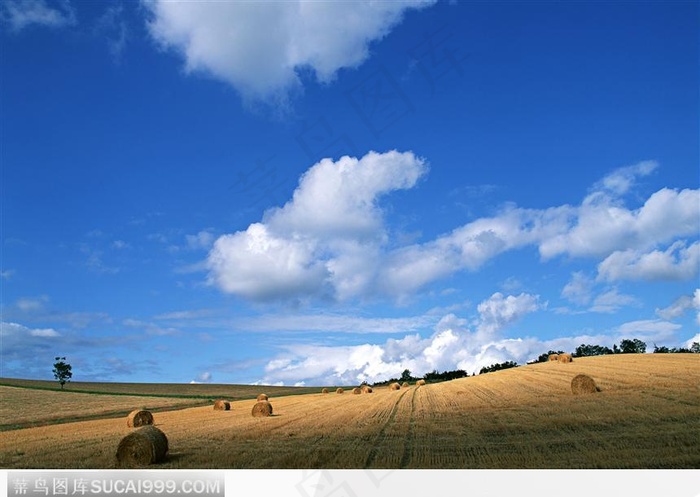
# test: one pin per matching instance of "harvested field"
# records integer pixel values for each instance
(50, 407)
(647, 416)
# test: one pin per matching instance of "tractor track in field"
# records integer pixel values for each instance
(407, 455)
(381, 436)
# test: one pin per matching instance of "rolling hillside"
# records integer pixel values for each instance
(646, 415)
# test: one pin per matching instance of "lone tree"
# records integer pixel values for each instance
(62, 371)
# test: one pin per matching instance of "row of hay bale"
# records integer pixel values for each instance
(149, 445)
(561, 358)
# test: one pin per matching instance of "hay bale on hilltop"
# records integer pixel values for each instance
(222, 405)
(395, 386)
(565, 358)
(262, 409)
(324, 390)
(405, 384)
(420, 382)
(147, 445)
(367, 389)
(553, 357)
(582, 384)
(357, 390)
(339, 390)
(262, 396)
(139, 417)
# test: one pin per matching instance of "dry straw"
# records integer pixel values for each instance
(405, 384)
(262, 409)
(222, 405)
(582, 384)
(262, 396)
(325, 390)
(420, 382)
(339, 390)
(357, 390)
(367, 389)
(147, 445)
(553, 357)
(139, 417)
(565, 358)
(395, 386)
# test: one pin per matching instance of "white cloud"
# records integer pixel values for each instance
(334, 323)
(579, 290)
(261, 48)
(677, 262)
(603, 225)
(32, 304)
(648, 330)
(19, 14)
(453, 345)
(21, 345)
(681, 305)
(44, 332)
(150, 328)
(204, 377)
(326, 240)
(498, 311)
(611, 301)
(201, 240)
(331, 239)
(622, 179)
(112, 26)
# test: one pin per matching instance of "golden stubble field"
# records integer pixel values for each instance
(647, 415)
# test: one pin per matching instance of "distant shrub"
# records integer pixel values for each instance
(498, 367)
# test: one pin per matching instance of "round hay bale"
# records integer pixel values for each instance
(144, 446)
(357, 390)
(339, 390)
(565, 358)
(420, 382)
(553, 357)
(405, 385)
(325, 390)
(367, 389)
(139, 417)
(262, 396)
(262, 409)
(395, 386)
(222, 405)
(582, 384)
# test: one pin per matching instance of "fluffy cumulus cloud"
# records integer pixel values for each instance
(678, 262)
(262, 48)
(323, 241)
(682, 305)
(454, 344)
(20, 14)
(331, 238)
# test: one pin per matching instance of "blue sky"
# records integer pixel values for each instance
(328, 193)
